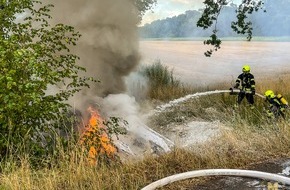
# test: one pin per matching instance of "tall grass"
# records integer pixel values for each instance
(247, 137)
(162, 83)
(234, 149)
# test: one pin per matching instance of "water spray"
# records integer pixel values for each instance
(195, 95)
(218, 172)
(211, 172)
(165, 142)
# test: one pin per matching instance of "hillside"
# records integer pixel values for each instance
(272, 21)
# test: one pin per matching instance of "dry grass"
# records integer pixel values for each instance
(279, 83)
(234, 149)
(162, 83)
(249, 138)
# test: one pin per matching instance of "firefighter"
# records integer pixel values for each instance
(277, 106)
(246, 83)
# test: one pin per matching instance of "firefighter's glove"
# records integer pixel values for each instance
(270, 114)
(253, 92)
(231, 91)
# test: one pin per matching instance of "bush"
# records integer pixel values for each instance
(35, 56)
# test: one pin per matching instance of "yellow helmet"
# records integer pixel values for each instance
(246, 69)
(269, 94)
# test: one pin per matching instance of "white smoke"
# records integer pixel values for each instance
(137, 86)
(125, 106)
(109, 50)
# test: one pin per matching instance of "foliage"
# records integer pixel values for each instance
(143, 6)
(209, 16)
(34, 58)
(115, 126)
(179, 26)
(241, 26)
(273, 23)
(224, 19)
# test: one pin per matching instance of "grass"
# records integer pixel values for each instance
(162, 83)
(232, 150)
(247, 138)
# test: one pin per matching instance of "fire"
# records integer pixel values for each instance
(95, 138)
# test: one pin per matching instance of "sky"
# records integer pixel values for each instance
(170, 8)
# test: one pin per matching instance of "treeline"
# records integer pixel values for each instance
(274, 21)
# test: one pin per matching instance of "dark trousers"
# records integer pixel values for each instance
(249, 96)
(277, 111)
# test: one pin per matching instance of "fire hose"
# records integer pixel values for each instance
(234, 90)
(218, 172)
(198, 94)
(214, 172)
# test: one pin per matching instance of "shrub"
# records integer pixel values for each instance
(34, 56)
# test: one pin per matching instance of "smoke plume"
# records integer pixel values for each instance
(108, 48)
(109, 51)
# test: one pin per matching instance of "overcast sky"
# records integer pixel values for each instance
(170, 8)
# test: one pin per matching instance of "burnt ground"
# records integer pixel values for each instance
(243, 183)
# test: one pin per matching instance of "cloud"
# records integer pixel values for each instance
(170, 8)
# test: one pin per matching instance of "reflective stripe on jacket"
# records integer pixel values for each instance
(246, 82)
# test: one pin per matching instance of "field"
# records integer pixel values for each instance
(267, 59)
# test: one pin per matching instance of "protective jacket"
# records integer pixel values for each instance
(246, 82)
(277, 106)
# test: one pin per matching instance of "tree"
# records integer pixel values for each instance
(212, 11)
(34, 57)
(38, 74)
(143, 6)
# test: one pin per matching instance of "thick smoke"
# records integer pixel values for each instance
(108, 48)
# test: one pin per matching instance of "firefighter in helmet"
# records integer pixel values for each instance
(277, 106)
(246, 83)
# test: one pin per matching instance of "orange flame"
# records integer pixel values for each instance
(96, 139)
